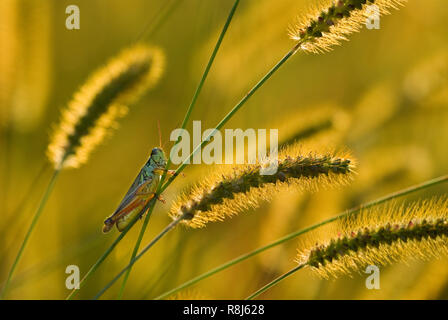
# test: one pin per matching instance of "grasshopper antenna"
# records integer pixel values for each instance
(160, 134)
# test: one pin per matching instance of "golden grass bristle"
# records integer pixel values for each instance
(97, 105)
(330, 21)
(377, 236)
(233, 189)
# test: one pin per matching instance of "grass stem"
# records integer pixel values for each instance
(218, 127)
(274, 282)
(30, 229)
(19, 210)
(232, 112)
(184, 124)
(110, 249)
(153, 242)
(158, 19)
(134, 253)
(355, 210)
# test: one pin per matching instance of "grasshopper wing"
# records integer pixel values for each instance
(131, 201)
(135, 189)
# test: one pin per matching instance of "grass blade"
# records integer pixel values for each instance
(184, 123)
(274, 282)
(355, 210)
(30, 230)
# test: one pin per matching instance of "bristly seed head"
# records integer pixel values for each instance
(378, 237)
(100, 101)
(332, 21)
(242, 187)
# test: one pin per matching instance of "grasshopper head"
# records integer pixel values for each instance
(158, 157)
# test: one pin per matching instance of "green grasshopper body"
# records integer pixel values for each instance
(140, 193)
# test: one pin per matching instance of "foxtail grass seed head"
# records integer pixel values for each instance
(332, 20)
(234, 189)
(103, 99)
(378, 236)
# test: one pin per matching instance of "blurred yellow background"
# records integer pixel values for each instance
(385, 92)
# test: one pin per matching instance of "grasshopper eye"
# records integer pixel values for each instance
(155, 151)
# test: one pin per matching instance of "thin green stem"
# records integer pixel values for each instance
(184, 124)
(161, 19)
(153, 242)
(58, 260)
(7, 148)
(15, 215)
(109, 250)
(137, 244)
(30, 229)
(204, 77)
(151, 27)
(275, 281)
(295, 234)
(170, 265)
(232, 112)
(134, 253)
(19, 210)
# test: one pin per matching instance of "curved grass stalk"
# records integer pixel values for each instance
(375, 237)
(149, 207)
(30, 230)
(274, 282)
(152, 243)
(134, 253)
(298, 45)
(232, 112)
(161, 187)
(103, 257)
(19, 209)
(91, 113)
(293, 235)
(58, 260)
(151, 27)
(184, 124)
(50, 187)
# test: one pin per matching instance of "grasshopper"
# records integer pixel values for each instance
(140, 193)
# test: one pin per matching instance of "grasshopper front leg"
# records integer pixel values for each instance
(170, 173)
